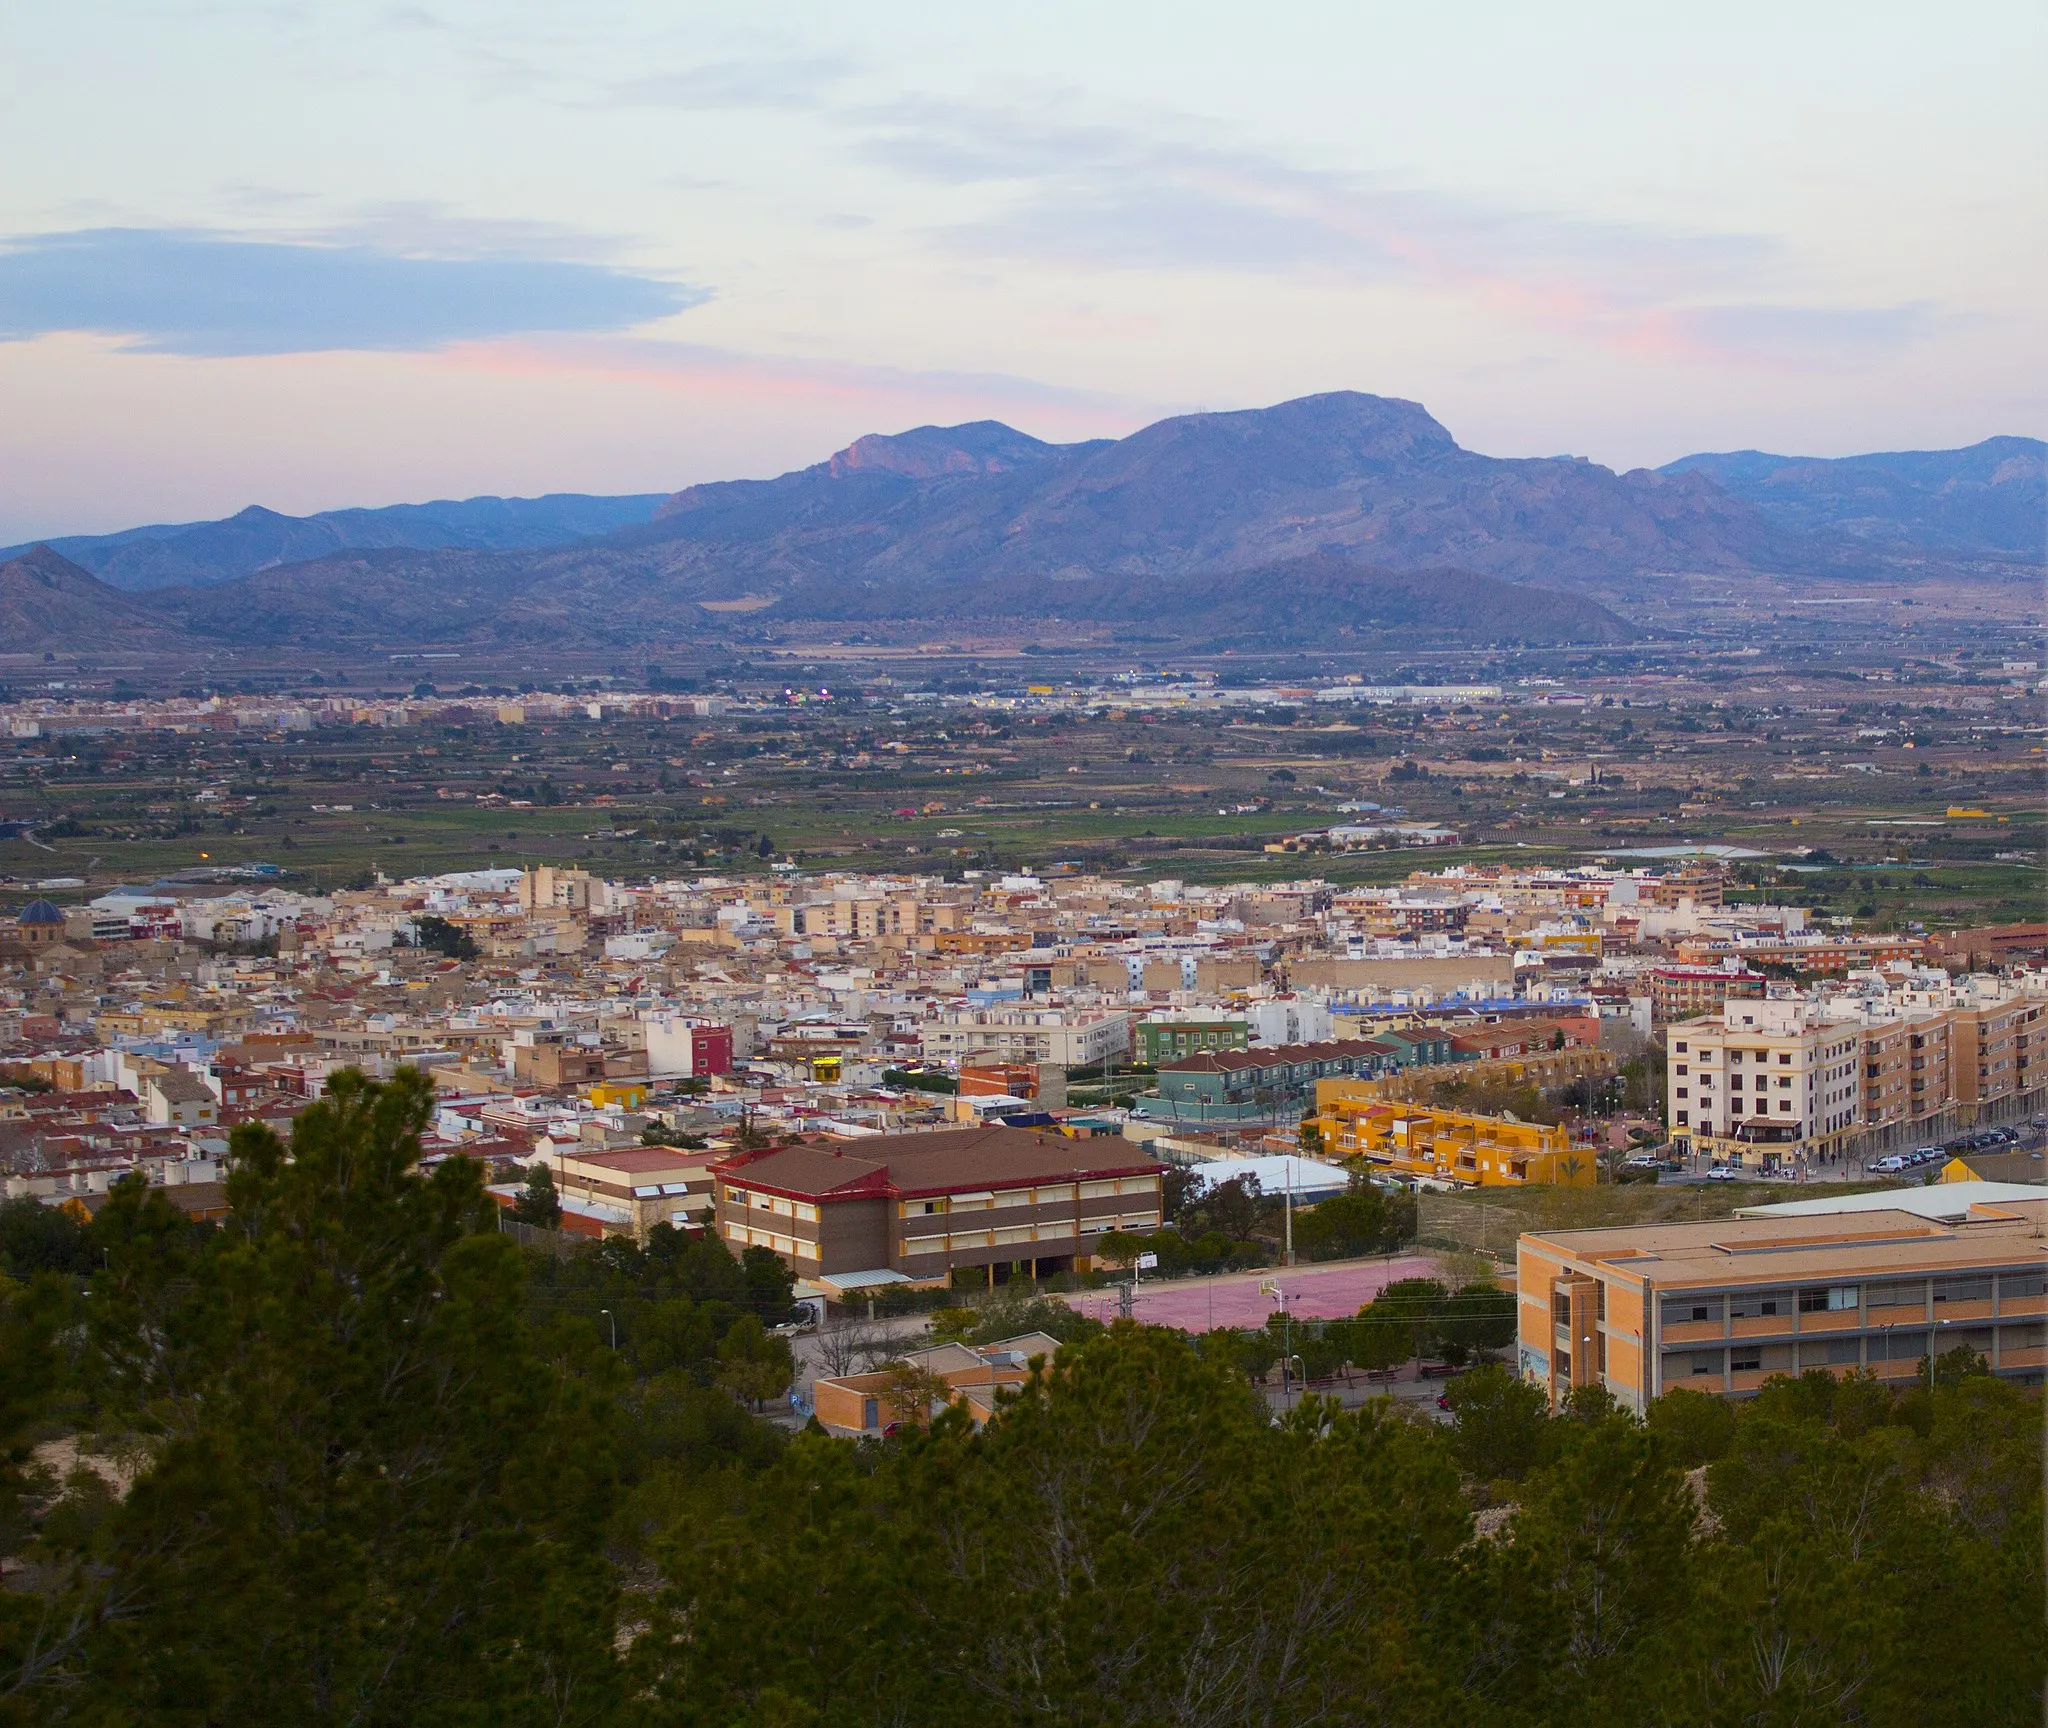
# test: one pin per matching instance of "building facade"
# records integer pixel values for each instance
(1721, 1307)
(1006, 1201)
(1072, 1037)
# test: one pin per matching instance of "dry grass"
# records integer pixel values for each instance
(1490, 1222)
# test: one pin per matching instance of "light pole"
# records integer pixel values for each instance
(614, 1319)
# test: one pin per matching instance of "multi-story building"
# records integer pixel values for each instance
(1765, 1083)
(1168, 1037)
(1267, 1082)
(1680, 992)
(1446, 1147)
(897, 1207)
(1722, 1307)
(682, 1048)
(1773, 1082)
(1072, 1037)
(627, 1191)
(1996, 1045)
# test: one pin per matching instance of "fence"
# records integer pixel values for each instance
(557, 1242)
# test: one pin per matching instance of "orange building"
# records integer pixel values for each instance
(1723, 1307)
(1449, 1147)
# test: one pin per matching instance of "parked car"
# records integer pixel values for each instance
(1724, 1173)
(1889, 1164)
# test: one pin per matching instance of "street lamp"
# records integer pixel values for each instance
(614, 1319)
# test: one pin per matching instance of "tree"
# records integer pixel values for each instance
(1695, 1427)
(1346, 1224)
(1233, 1207)
(771, 1285)
(37, 1238)
(1410, 1308)
(344, 1517)
(913, 1394)
(753, 1366)
(1480, 1317)
(443, 937)
(539, 1206)
(1500, 1424)
(852, 1347)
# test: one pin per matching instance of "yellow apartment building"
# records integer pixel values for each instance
(1721, 1307)
(1448, 1147)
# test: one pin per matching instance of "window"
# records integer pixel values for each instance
(1838, 1352)
(1687, 1310)
(1758, 1304)
(1909, 1295)
(1828, 1299)
(1706, 1362)
(1745, 1361)
(1682, 1122)
(1962, 1289)
(2013, 1286)
(1681, 1049)
(1784, 1061)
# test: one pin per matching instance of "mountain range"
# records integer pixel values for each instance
(193, 554)
(1332, 513)
(1989, 500)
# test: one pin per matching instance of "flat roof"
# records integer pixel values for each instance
(642, 1160)
(1946, 1202)
(1804, 1249)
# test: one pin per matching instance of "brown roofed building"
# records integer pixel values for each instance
(917, 1206)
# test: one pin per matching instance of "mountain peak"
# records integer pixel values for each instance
(929, 452)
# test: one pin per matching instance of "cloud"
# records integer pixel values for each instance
(726, 373)
(204, 293)
(794, 83)
(1794, 335)
(1116, 197)
(1107, 197)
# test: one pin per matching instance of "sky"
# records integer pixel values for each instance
(315, 255)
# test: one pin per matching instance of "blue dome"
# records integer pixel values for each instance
(41, 912)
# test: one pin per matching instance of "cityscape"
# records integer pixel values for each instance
(979, 987)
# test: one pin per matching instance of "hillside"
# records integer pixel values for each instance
(1989, 500)
(1360, 477)
(1289, 524)
(194, 554)
(47, 602)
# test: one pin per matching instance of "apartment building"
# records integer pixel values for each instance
(1766, 1083)
(1273, 1080)
(1167, 1037)
(1680, 992)
(1007, 1201)
(1446, 1148)
(1721, 1307)
(1773, 1082)
(1996, 1050)
(1072, 1037)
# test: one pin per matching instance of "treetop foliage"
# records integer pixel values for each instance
(388, 1466)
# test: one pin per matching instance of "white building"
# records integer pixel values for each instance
(1072, 1037)
(1764, 1083)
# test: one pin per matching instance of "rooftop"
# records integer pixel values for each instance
(1785, 1250)
(939, 1163)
